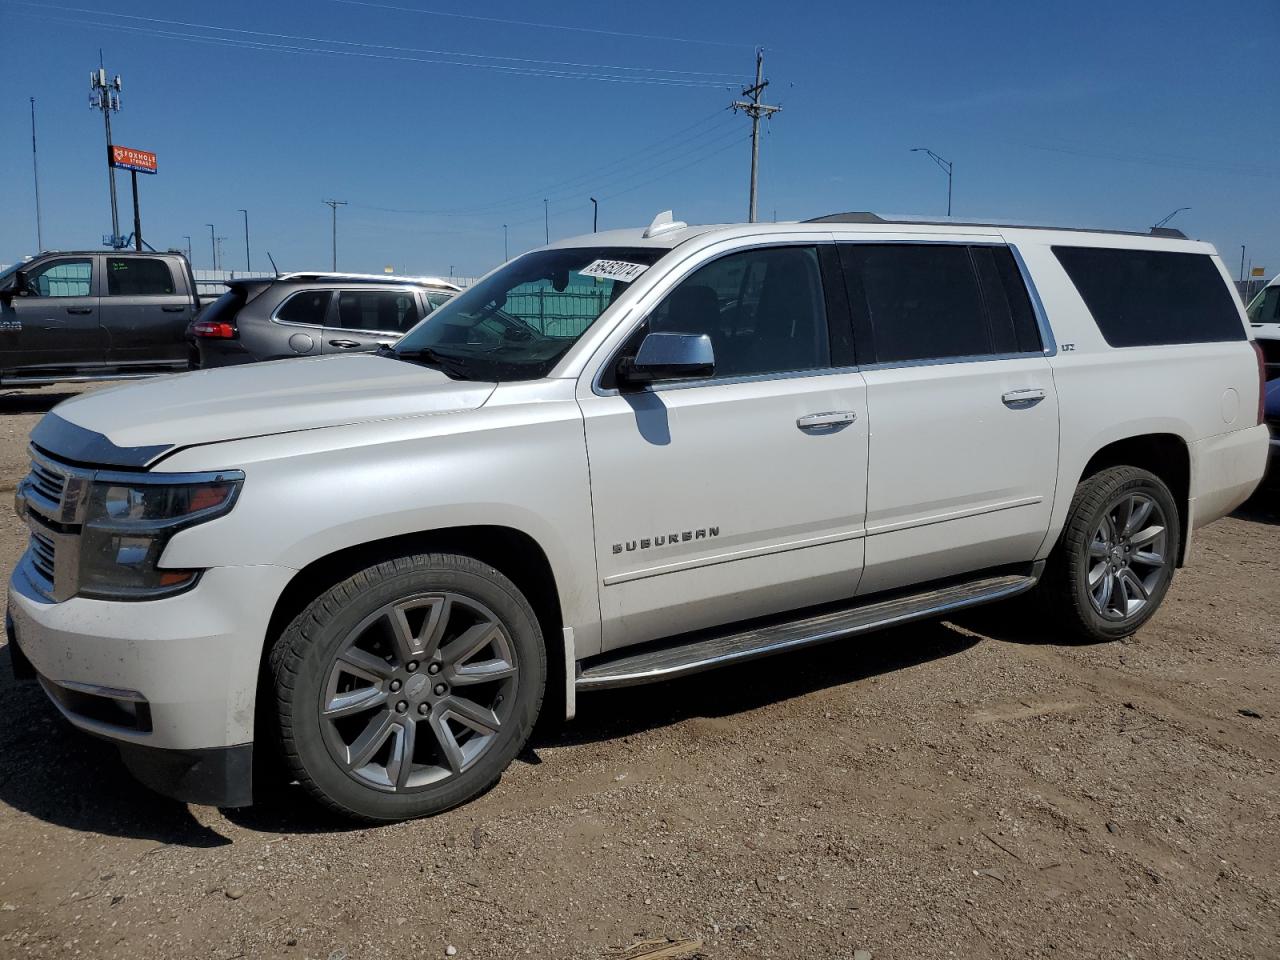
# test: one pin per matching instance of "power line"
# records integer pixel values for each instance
(275, 47)
(723, 75)
(544, 26)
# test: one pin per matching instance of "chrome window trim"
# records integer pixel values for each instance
(818, 239)
(1048, 342)
(940, 361)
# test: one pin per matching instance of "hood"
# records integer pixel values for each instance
(133, 425)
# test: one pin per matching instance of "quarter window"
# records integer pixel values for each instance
(63, 278)
(308, 307)
(763, 310)
(920, 301)
(377, 310)
(1145, 297)
(138, 277)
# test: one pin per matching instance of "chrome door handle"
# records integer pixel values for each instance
(1021, 399)
(345, 344)
(824, 421)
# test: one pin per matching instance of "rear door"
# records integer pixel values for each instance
(366, 319)
(55, 324)
(146, 307)
(963, 452)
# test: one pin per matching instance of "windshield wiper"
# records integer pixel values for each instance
(451, 366)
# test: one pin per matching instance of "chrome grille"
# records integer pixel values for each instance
(50, 484)
(42, 556)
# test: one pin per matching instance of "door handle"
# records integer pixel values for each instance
(1021, 399)
(83, 310)
(826, 421)
(345, 344)
(174, 309)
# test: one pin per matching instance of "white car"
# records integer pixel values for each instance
(1264, 318)
(616, 459)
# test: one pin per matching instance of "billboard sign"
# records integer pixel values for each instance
(127, 158)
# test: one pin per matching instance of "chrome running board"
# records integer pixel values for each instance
(705, 653)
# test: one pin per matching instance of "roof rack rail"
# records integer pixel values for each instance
(321, 275)
(864, 216)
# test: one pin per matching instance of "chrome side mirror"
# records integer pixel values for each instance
(668, 356)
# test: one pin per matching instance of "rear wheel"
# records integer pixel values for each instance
(409, 687)
(1115, 561)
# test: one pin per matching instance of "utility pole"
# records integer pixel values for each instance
(754, 109)
(188, 239)
(104, 95)
(334, 205)
(213, 245)
(595, 215)
(247, 268)
(506, 256)
(546, 219)
(35, 171)
(947, 166)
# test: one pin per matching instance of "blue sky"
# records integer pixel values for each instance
(1092, 114)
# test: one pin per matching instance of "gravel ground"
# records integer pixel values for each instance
(961, 789)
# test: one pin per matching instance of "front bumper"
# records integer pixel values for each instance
(171, 681)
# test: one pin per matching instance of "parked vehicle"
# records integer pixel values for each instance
(620, 458)
(1264, 317)
(1272, 414)
(95, 315)
(309, 314)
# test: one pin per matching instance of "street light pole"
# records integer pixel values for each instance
(947, 166)
(595, 215)
(247, 268)
(213, 245)
(35, 170)
(546, 219)
(1161, 223)
(188, 239)
(1242, 263)
(506, 256)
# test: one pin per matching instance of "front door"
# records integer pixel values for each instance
(54, 324)
(366, 319)
(962, 406)
(741, 494)
(145, 311)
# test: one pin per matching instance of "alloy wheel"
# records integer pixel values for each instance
(1128, 556)
(418, 691)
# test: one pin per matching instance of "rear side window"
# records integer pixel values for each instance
(138, 277)
(1145, 297)
(1266, 306)
(308, 307)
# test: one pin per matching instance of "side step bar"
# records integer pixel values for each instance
(706, 653)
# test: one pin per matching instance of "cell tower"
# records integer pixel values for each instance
(104, 95)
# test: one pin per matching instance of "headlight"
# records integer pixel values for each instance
(129, 520)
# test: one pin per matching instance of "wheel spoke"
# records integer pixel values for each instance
(355, 701)
(1098, 571)
(1102, 593)
(370, 740)
(470, 642)
(1099, 549)
(1139, 510)
(483, 671)
(362, 663)
(400, 763)
(437, 622)
(1146, 535)
(478, 718)
(1133, 591)
(449, 746)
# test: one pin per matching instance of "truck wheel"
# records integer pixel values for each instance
(1114, 562)
(409, 687)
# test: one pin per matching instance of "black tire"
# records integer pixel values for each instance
(1065, 586)
(305, 665)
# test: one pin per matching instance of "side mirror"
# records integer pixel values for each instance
(668, 356)
(17, 285)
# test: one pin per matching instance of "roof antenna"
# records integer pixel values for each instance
(273, 264)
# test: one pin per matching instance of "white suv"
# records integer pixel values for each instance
(616, 459)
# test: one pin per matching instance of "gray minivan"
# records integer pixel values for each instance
(309, 314)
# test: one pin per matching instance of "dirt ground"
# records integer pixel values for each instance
(963, 789)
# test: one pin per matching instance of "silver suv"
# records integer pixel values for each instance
(309, 314)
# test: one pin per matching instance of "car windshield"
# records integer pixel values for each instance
(519, 321)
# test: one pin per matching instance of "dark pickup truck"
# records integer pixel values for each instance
(96, 315)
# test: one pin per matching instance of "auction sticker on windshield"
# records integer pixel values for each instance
(619, 270)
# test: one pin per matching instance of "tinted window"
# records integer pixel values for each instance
(377, 310)
(1144, 297)
(138, 277)
(1266, 306)
(1009, 312)
(762, 309)
(918, 301)
(437, 298)
(308, 307)
(63, 278)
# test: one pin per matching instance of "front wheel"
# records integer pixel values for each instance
(1115, 561)
(409, 687)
